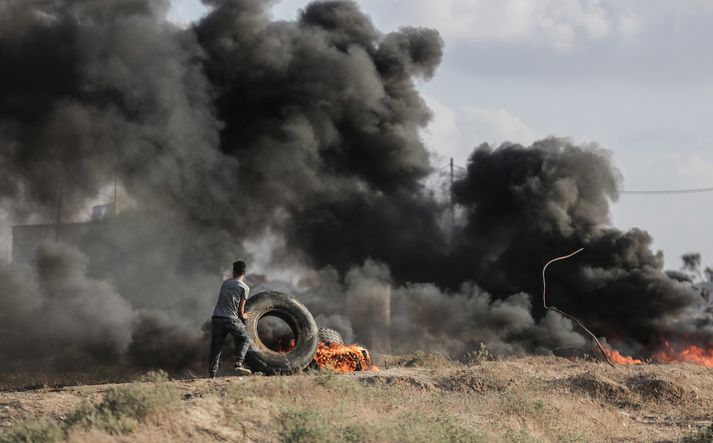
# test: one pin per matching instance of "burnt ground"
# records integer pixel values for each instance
(413, 398)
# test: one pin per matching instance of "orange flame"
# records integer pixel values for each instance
(619, 359)
(343, 358)
(686, 354)
(283, 348)
(689, 354)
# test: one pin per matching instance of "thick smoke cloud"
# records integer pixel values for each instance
(426, 318)
(90, 89)
(241, 128)
(53, 308)
(98, 90)
(324, 115)
(527, 205)
(215, 134)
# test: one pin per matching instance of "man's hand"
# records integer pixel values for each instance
(241, 310)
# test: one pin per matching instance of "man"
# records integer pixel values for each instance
(228, 317)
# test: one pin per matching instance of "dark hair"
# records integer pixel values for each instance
(239, 267)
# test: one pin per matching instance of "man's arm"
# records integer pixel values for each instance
(241, 308)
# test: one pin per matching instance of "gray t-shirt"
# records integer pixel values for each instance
(232, 291)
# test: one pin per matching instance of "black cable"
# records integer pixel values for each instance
(669, 191)
(633, 192)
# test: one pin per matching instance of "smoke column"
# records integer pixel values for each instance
(526, 205)
(239, 128)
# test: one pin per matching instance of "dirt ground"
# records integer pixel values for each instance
(412, 399)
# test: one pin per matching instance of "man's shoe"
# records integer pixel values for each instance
(211, 375)
(242, 370)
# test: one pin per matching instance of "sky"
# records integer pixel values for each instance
(634, 76)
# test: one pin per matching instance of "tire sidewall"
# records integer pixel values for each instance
(300, 320)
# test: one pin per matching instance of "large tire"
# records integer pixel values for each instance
(329, 336)
(263, 359)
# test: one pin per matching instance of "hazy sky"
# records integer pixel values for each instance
(635, 76)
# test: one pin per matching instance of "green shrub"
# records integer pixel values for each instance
(479, 355)
(326, 377)
(333, 381)
(419, 428)
(420, 359)
(122, 409)
(304, 426)
(521, 436)
(705, 436)
(355, 433)
(33, 432)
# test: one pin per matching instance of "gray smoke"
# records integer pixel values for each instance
(90, 91)
(53, 308)
(426, 318)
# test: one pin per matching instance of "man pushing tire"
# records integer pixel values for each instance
(228, 318)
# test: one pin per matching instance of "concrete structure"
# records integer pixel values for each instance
(26, 238)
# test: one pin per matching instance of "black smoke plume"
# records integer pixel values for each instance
(239, 129)
(527, 205)
(323, 116)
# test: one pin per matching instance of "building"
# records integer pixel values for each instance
(26, 238)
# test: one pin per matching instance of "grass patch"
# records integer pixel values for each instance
(418, 428)
(356, 433)
(521, 400)
(121, 410)
(522, 436)
(334, 381)
(705, 436)
(304, 426)
(419, 359)
(479, 355)
(33, 432)
(310, 425)
(527, 401)
(124, 408)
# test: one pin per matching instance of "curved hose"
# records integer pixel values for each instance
(557, 310)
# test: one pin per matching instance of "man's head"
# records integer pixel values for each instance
(239, 268)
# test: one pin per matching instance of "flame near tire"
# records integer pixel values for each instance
(343, 358)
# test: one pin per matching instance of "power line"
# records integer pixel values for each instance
(669, 191)
(632, 192)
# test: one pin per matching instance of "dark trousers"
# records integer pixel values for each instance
(220, 329)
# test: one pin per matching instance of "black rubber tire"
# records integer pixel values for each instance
(295, 314)
(328, 336)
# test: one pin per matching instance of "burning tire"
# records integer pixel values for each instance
(329, 336)
(304, 330)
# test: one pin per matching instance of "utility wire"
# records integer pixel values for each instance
(632, 192)
(669, 191)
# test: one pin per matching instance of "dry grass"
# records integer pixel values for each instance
(417, 398)
(121, 411)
